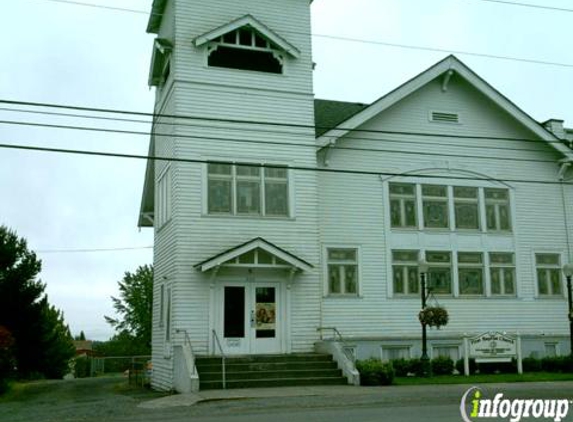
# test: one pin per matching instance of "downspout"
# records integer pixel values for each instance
(565, 165)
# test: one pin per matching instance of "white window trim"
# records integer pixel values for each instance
(489, 266)
(385, 347)
(562, 255)
(326, 292)
(291, 197)
(161, 305)
(471, 266)
(164, 212)
(481, 203)
(457, 346)
(393, 263)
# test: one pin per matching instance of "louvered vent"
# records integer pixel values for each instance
(438, 116)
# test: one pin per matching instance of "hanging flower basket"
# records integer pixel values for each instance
(434, 316)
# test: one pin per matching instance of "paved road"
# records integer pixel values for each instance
(111, 400)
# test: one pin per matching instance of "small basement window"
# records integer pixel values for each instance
(246, 49)
(443, 117)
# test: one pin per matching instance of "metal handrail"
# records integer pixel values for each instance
(223, 357)
(345, 345)
(188, 341)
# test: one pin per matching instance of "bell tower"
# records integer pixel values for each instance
(234, 98)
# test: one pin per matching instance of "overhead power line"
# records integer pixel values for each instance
(262, 123)
(61, 251)
(373, 42)
(530, 5)
(279, 143)
(274, 132)
(298, 168)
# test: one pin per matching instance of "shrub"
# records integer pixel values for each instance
(557, 364)
(531, 365)
(375, 372)
(460, 366)
(402, 367)
(82, 366)
(442, 365)
(497, 367)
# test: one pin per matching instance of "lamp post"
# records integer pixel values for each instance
(425, 359)
(568, 271)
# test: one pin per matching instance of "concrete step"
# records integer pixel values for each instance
(253, 375)
(276, 382)
(265, 366)
(269, 371)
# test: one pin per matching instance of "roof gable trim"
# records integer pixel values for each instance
(259, 242)
(250, 21)
(451, 63)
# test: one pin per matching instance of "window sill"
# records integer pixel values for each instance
(342, 296)
(249, 217)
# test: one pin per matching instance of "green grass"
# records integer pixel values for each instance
(485, 378)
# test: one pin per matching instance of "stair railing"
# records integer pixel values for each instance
(346, 347)
(188, 343)
(217, 343)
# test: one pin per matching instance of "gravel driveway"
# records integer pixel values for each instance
(88, 399)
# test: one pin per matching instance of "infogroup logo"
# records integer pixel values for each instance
(474, 407)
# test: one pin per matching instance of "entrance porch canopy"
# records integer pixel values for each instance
(256, 253)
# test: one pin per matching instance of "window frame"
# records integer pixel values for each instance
(445, 200)
(358, 271)
(548, 268)
(497, 203)
(471, 266)
(405, 267)
(458, 200)
(387, 347)
(439, 265)
(402, 198)
(164, 198)
(501, 267)
(262, 180)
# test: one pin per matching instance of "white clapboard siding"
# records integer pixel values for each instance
(353, 212)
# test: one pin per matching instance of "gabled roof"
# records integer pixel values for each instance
(146, 209)
(256, 243)
(450, 63)
(248, 21)
(329, 114)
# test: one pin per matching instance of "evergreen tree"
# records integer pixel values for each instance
(42, 344)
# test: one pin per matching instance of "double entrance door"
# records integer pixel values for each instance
(252, 318)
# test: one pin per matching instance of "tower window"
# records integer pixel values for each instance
(246, 49)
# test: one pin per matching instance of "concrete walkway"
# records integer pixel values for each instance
(389, 394)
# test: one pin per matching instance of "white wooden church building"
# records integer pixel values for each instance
(257, 251)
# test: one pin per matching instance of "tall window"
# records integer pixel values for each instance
(497, 209)
(405, 272)
(502, 273)
(403, 205)
(163, 213)
(470, 273)
(548, 274)
(435, 205)
(161, 304)
(247, 190)
(168, 316)
(342, 271)
(466, 207)
(439, 272)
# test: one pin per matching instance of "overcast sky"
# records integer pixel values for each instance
(71, 54)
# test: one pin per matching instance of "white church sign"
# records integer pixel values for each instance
(492, 347)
